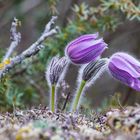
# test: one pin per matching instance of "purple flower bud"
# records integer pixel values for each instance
(55, 69)
(85, 48)
(94, 69)
(126, 69)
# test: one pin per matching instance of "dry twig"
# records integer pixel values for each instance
(15, 38)
(33, 49)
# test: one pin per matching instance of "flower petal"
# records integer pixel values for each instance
(82, 38)
(85, 48)
(132, 61)
(121, 75)
(126, 69)
(88, 56)
(122, 64)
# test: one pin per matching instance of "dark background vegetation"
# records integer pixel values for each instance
(118, 21)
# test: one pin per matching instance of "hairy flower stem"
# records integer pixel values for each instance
(52, 105)
(78, 94)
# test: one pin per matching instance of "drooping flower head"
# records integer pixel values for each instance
(89, 74)
(126, 69)
(55, 69)
(85, 48)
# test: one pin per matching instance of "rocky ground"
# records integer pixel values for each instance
(41, 124)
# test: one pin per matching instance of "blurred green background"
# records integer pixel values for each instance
(118, 21)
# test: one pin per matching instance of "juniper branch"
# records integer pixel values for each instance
(33, 49)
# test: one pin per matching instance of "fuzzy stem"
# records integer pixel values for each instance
(78, 94)
(52, 98)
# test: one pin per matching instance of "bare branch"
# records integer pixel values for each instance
(33, 49)
(15, 38)
(48, 26)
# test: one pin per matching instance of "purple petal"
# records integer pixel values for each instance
(124, 77)
(122, 64)
(125, 68)
(89, 56)
(83, 38)
(84, 46)
(132, 61)
(121, 75)
(136, 85)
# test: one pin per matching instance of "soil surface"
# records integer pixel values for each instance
(41, 124)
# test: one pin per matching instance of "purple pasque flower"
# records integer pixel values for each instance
(55, 69)
(126, 69)
(85, 48)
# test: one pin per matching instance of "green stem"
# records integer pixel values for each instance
(53, 98)
(78, 94)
